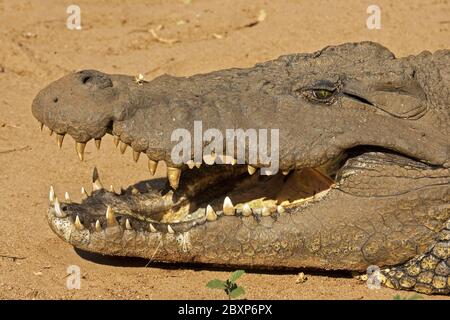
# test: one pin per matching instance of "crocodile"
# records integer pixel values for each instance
(363, 156)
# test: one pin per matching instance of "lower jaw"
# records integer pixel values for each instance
(194, 240)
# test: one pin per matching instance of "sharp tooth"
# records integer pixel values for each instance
(41, 126)
(116, 141)
(58, 210)
(51, 194)
(59, 139)
(233, 161)
(78, 224)
(228, 208)
(136, 155)
(134, 190)
(127, 224)
(79, 146)
(111, 188)
(98, 226)
(280, 209)
(110, 217)
(209, 159)
(84, 192)
(169, 229)
(198, 165)
(210, 214)
(122, 146)
(265, 212)
(190, 164)
(152, 228)
(173, 174)
(152, 165)
(98, 142)
(246, 210)
(96, 184)
(67, 197)
(251, 170)
(286, 172)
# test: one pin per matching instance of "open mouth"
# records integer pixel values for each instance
(194, 195)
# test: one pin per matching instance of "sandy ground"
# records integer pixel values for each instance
(37, 48)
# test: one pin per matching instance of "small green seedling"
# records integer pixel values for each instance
(414, 296)
(230, 287)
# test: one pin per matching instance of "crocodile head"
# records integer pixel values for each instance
(362, 151)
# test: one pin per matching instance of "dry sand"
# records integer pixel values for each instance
(37, 48)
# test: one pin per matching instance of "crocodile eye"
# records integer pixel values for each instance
(322, 94)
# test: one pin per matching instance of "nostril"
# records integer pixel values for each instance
(55, 99)
(85, 79)
(95, 79)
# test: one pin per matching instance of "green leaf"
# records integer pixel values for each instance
(397, 297)
(216, 284)
(237, 292)
(236, 275)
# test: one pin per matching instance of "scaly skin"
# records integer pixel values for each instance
(387, 118)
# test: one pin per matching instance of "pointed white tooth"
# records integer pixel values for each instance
(173, 174)
(210, 213)
(152, 228)
(190, 164)
(78, 224)
(246, 210)
(79, 147)
(97, 185)
(280, 209)
(251, 170)
(228, 208)
(169, 229)
(98, 226)
(136, 155)
(127, 224)
(58, 211)
(111, 188)
(51, 194)
(67, 197)
(265, 212)
(286, 172)
(209, 159)
(98, 143)
(110, 217)
(134, 190)
(59, 139)
(116, 141)
(84, 192)
(152, 165)
(198, 165)
(122, 146)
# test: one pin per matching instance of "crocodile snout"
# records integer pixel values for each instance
(83, 104)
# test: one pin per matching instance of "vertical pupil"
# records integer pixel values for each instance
(323, 93)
